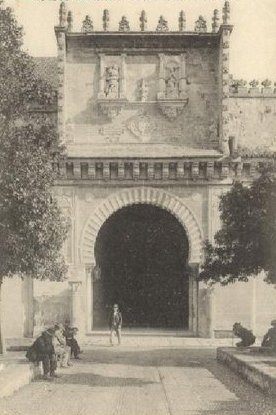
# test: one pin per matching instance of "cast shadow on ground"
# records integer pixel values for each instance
(190, 358)
(173, 357)
(94, 380)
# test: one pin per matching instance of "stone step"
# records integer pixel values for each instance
(253, 365)
(14, 376)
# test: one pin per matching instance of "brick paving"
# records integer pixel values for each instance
(142, 380)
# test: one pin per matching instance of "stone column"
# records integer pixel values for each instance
(28, 303)
(253, 305)
(75, 303)
(193, 299)
(212, 312)
(2, 337)
(89, 297)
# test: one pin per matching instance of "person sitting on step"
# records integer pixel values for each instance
(70, 333)
(42, 350)
(269, 339)
(62, 350)
(246, 336)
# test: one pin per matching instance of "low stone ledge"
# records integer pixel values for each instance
(15, 375)
(257, 367)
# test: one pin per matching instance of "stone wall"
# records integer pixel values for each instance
(253, 123)
(51, 304)
(13, 308)
(197, 126)
(251, 303)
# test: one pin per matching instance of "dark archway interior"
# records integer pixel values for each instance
(142, 253)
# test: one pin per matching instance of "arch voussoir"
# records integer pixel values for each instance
(140, 195)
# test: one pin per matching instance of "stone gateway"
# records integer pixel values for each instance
(155, 131)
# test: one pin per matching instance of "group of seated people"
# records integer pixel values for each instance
(55, 346)
(248, 338)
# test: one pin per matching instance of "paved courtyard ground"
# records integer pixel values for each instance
(141, 380)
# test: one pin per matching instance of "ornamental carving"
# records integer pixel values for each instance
(112, 108)
(143, 90)
(201, 25)
(111, 89)
(142, 127)
(87, 25)
(143, 21)
(105, 20)
(162, 25)
(172, 108)
(172, 95)
(124, 25)
(172, 82)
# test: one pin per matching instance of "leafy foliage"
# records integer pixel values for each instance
(32, 229)
(246, 243)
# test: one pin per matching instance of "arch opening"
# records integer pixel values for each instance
(142, 251)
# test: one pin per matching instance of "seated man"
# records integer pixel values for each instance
(62, 350)
(269, 339)
(43, 351)
(246, 336)
(70, 333)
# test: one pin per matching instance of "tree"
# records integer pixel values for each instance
(32, 228)
(246, 243)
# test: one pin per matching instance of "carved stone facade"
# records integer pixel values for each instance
(151, 118)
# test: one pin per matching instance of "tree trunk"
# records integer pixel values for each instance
(2, 342)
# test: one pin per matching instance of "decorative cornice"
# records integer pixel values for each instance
(160, 170)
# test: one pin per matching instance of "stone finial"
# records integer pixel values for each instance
(162, 25)
(62, 14)
(201, 25)
(254, 83)
(226, 12)
(69, 21)
(87, 25)
(105, 20)
(182, 21)
(143, 21)
(124, 25)
(215, 24)
(266, 83)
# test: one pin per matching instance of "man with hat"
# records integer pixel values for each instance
(62, 350)
(269, 339)
(43, 351)
(115, 324)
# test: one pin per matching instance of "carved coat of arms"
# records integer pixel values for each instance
(142, 127)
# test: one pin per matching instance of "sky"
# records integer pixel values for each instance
(253, 41)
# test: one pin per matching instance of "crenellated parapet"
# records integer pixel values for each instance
(253, 89)
(124, 25)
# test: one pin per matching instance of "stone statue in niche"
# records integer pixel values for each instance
(172, 83)
(112, 82)
(143, 90)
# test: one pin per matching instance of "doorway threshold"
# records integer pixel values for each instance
(146, 332)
